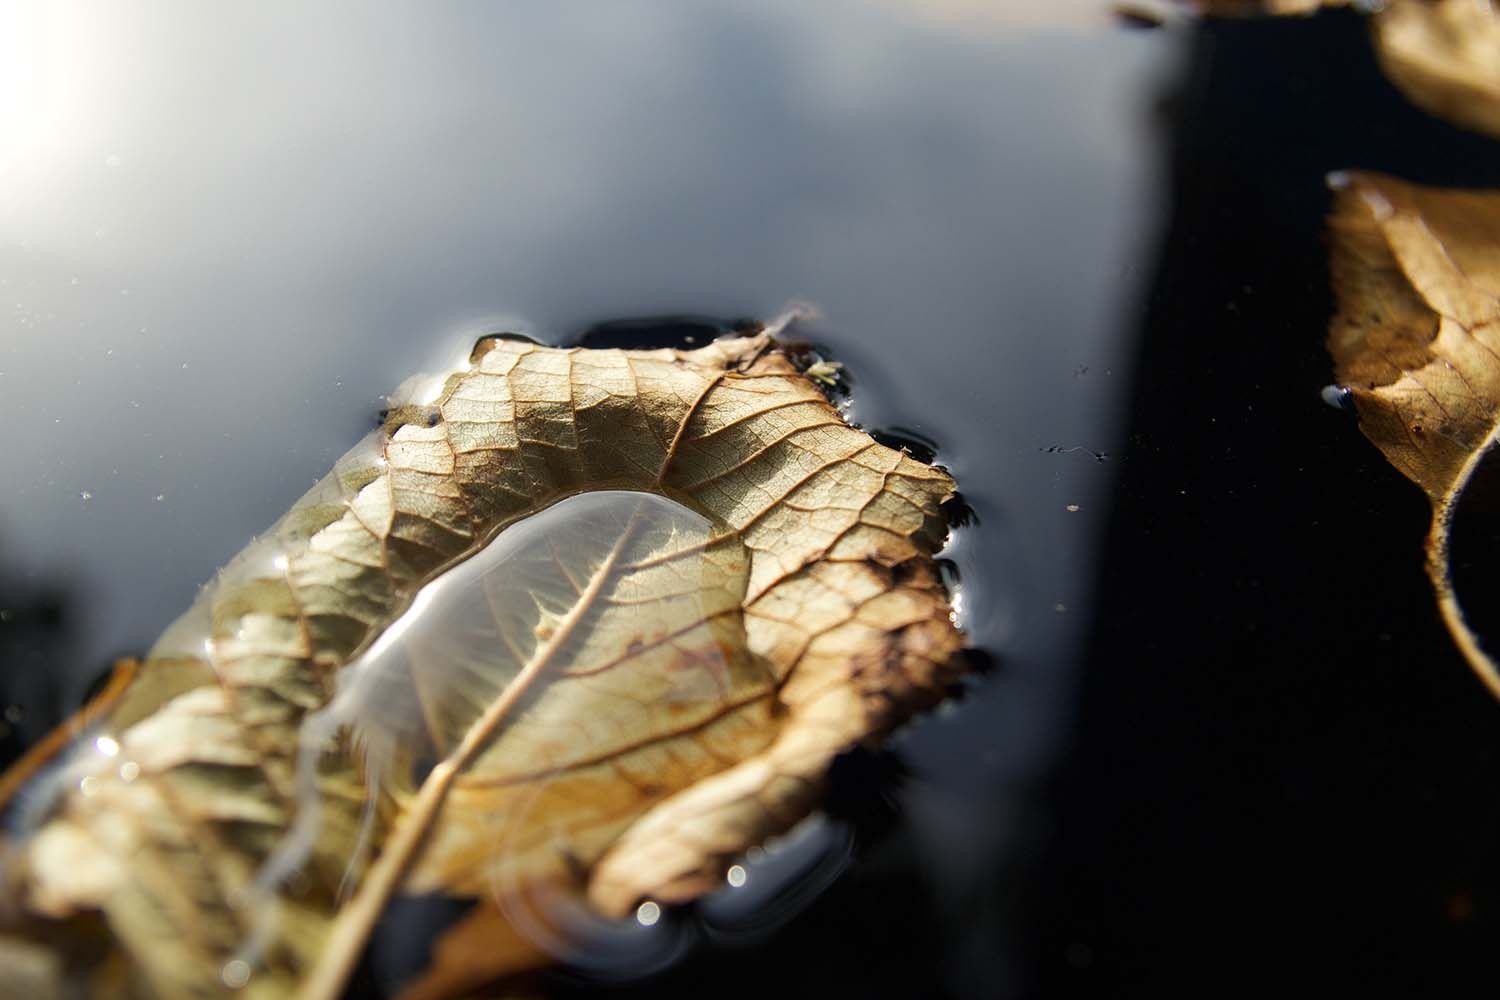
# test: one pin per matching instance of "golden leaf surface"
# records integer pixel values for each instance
(575, 633)
(1417, 343)
(1443, 55)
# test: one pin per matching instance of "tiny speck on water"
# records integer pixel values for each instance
(160, 497)
(85, 496)
(1060, 607)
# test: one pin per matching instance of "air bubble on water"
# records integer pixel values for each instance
(736, 876)
(1072, 508)
(88, 786)
(129, 771)
(647, 914)
(956, 606)
(236, 973)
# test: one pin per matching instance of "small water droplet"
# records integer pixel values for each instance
(647, 914)
(736, 876)
(236, 973)
(129, 771)
(88, 786)
(1340, 397)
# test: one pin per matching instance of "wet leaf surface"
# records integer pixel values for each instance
(571, 632)
(1417, 343)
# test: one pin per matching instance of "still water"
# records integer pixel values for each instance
(226, 234)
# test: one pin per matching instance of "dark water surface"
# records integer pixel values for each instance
(1227, 737)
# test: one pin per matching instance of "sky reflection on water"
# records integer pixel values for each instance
(225, 233)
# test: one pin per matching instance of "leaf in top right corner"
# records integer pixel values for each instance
(1417, 342)
(1443, 55)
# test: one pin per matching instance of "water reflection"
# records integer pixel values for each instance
(228, 238)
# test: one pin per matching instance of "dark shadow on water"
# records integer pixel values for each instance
(683, 332)
(1474, 551)
(37, 619)
(1282, 776)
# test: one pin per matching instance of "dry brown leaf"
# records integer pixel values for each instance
(1417, 343)
(1444, 55)
(577, 632)
(1261, 8)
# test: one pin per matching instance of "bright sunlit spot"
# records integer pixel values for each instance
(49, 54)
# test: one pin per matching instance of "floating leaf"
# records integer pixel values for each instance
(1417, 343)
(573, 630)
(1444, 55)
